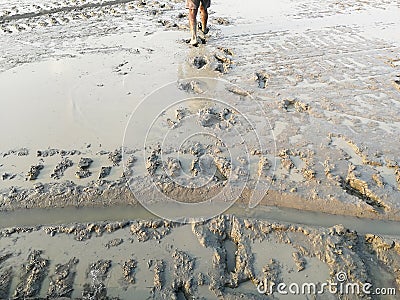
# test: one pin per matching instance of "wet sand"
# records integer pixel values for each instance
(105, 108)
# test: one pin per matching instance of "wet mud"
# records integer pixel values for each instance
(328, 87)
(226, 256)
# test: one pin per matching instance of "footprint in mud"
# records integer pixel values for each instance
(192, 86)
(222, 21)
(200, 62)
(262, 79)
(291, 105)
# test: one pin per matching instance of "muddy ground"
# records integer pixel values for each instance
(224, 258)
(325, 82)
(300, 98)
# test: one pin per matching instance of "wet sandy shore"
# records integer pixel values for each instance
(102, 99)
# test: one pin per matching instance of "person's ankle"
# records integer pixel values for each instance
(203, 28)
(193, 40)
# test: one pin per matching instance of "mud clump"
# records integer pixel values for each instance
(158, 280)
(34, 172)
(378, 179)
(115, 157)
(83, 168)
(263, 166)
(128, 269)
(299, 261)
(183, 274)
(238, 91)
(181, 113)
(104, 172)
(18, 152)
(223, 58)
(230, 265)
(85, 163)
(61, 284)
(151, 230)
(360, 188)
(272, 271)
(308, 174)
(83, 232)
(153, 162)
(172, 124)
(97, 273)
(191, 87)
(226, 51)
(208, 117)
(222, 68)
(114, 243)
(386, 251)
(286, 161)
(173, 166)
(52, 152)
(195, 168)
(60, 168)
(224, 168)
(224, 62)
(232, 258)
(32, 276)
(222, 21)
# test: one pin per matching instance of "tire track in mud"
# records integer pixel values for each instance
(65, 14)
(317, 9)
(341, 76)
(209, 259)
(42, 12)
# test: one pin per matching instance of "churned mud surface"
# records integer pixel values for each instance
(307, 107)
(224, 257)
(328, 89)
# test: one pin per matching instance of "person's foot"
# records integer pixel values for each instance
(194, 42)
(205, 31)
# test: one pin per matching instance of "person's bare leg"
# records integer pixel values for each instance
(204, 19)
(193, 26)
